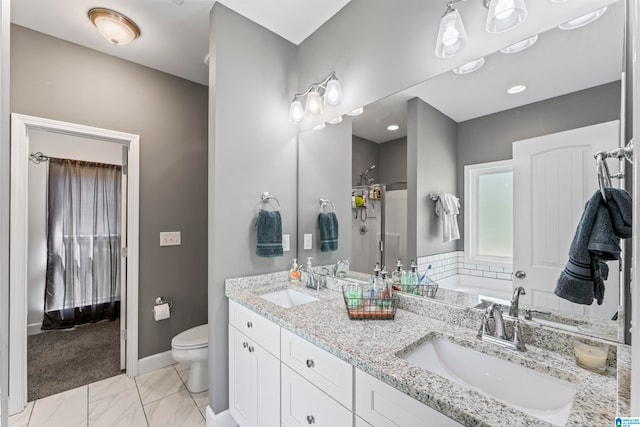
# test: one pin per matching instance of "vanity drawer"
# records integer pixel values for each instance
(329, 373)
(304, 404)
(381, 405)
(261, 330)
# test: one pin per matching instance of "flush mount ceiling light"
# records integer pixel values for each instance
(393, 127)
(469, 67)
(452, 37)
(521, 45)
(114, 26)
(335, 121)
(356, 112)
(583, 20)
(328, 92)
(516, 89)
(319, 127)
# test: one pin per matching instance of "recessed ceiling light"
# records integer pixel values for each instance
(336, 120)
(319, 127)
(469, 67)
(521, 45)
(356, 112)
(516, 89)
(583, 20)
(393, 127)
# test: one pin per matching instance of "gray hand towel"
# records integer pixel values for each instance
(328, 223)
(597, 238)
(269, 227)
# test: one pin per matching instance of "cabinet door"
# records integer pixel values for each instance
(303, 404)
(267, 386)
(384, 406)
(243, 397)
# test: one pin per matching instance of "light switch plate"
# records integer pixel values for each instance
(286, 238)
(308, 239)
(170, 238)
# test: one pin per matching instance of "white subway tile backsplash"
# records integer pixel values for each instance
(489, 274)
(464, 271)
(482, 267)
(470, 266)
(504, 276)
(475, 273)
(451, 263)
(496, 269)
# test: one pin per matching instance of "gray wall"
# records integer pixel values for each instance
(490, 138)
(392, 160)
(59, 80)
(364, 154)
(252, 149)
(325, 175)
(431, 168)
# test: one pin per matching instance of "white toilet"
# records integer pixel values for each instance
(192, 347)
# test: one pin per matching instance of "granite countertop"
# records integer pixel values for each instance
(374, 346)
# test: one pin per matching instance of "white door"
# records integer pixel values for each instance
(123, 266)
(554, 176)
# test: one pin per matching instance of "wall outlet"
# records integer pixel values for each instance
(286, 238)
(170, 238)
(308, 241)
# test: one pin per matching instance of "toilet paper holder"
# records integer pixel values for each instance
(161, 300)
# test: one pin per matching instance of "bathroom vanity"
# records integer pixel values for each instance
(306, 363)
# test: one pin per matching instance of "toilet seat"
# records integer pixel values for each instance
(193, 338)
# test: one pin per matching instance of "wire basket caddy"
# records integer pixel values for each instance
(428, 289)
(366, 304)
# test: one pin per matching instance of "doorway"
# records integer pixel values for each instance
(25, 132)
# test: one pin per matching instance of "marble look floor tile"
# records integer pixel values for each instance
(110, 386)
(158, 384)
(201, 399)
(21, 419)
(184, 374)
(177, 410)
(63, 409)
(122, 409)
(181, 366)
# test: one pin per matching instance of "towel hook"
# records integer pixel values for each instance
(266, 198)
(324, 203)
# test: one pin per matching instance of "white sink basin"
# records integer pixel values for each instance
(536, 393)
(288, 298)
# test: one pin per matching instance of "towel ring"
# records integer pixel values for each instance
(267, 198)
(326, 203)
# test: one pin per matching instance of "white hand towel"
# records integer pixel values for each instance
(448, 208)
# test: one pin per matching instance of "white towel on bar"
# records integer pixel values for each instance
(448, 208)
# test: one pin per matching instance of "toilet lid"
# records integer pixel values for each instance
(194, 337)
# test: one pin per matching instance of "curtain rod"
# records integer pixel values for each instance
(38, 157)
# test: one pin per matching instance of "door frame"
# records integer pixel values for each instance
(21, 125)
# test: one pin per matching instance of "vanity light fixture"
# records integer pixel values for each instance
(328, 92)
(356, 112)
(114, 26)
(583, 20)
(335, 121)
(393, 127)
(505, 15)
(521, 45)
(516, 89)
(452, 37)
(469, 67)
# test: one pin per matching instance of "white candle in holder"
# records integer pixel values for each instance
(590, 356)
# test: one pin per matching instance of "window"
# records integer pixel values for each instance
(488, 217)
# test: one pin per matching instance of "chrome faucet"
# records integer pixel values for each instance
(499, 335)
(513, 310)
(340, 263)
(528, 314)
(313, 281)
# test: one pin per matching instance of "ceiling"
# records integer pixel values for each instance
(174, 38)
(560, 62)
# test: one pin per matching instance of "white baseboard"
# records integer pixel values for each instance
(155, 361)
(34, 328)
(223, 419)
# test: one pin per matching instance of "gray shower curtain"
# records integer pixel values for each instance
(83, 243)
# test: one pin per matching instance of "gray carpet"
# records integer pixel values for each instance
(60, 360)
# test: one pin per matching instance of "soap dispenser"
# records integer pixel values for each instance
(412, 278)
(294, 273)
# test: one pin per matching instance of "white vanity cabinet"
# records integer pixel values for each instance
(254, 369)
(381, 405)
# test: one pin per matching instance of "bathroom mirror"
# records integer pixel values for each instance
(551, 72)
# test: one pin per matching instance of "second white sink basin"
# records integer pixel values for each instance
(535, 393)
(288, 298)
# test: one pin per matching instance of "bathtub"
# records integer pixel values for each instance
(486, 288)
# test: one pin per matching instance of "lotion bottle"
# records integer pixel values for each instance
(294, 273)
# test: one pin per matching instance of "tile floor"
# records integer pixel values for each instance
(156, 399)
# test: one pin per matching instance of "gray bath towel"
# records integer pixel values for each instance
(597, 239)
(328, 223)
(269, 227)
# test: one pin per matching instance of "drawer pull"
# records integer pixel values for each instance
(310, 419)
(310, 364)
(249, 324)
(245, 344)
(250, 349)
